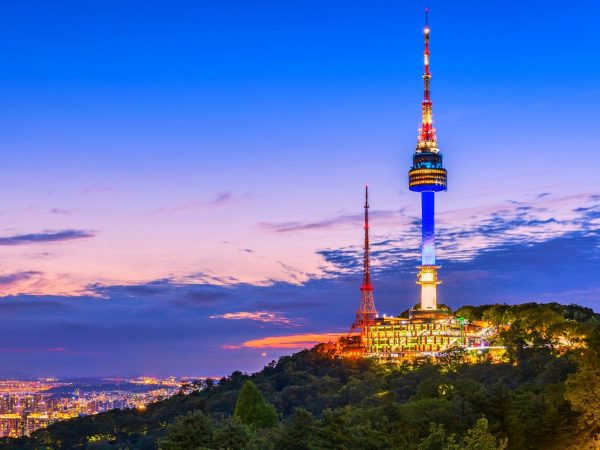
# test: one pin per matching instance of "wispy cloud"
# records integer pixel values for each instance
(12, 278)
(60, 211)
(341, 220)
(36, 283)
(97, 190)
(257, 316)
(294, 274)
(40, 255)
(31, 350)
(294, 341)
(45, 237)
(185, 292)
(220, 200)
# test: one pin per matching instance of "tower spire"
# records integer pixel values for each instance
(426, 139)
(366, 312)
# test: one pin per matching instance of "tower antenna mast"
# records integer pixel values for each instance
(366, 312)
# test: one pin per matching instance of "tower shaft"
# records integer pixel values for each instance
(366, 312)
(428, 228)
(427, 277)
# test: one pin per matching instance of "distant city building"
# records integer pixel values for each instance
(34, 421)
(11, 425)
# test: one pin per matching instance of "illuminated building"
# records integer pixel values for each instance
(34, 421)
(11, 425)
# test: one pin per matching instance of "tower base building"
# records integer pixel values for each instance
(420, 334)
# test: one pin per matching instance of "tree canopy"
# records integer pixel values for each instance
(252, 409)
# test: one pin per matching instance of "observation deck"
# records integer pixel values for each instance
(427, 173)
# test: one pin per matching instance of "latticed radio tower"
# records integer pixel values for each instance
(366, 312)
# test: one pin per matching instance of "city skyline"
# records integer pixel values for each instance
(190, 201)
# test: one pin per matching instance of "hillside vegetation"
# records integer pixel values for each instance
(546, 396)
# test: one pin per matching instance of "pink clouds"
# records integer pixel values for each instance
(294, 341)
(257, 316)
(18, 282)
(37, 283)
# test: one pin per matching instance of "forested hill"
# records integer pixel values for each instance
(546, 396)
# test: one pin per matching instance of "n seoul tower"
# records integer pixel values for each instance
(427, 176)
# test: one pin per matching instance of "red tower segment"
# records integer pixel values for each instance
(426, 132)
(366, 312)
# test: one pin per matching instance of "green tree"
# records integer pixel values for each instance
(479, 438)
(496, 315)
(476, 438)
(334, 431)
(232, 434)
(193, 430)
(436, 440)
(297, 431)
(583, 388)
(252, 408)
(452, 358)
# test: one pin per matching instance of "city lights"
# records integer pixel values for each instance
(26, 406)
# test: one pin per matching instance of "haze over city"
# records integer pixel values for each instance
(183, 184)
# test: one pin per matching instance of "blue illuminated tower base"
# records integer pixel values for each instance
(427, 277)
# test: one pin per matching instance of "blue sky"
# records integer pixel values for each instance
(183, 179)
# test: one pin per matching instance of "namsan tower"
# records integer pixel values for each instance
(428, 329)
(427, 176)
(366, 312)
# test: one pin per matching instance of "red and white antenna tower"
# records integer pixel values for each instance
(366, 312)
